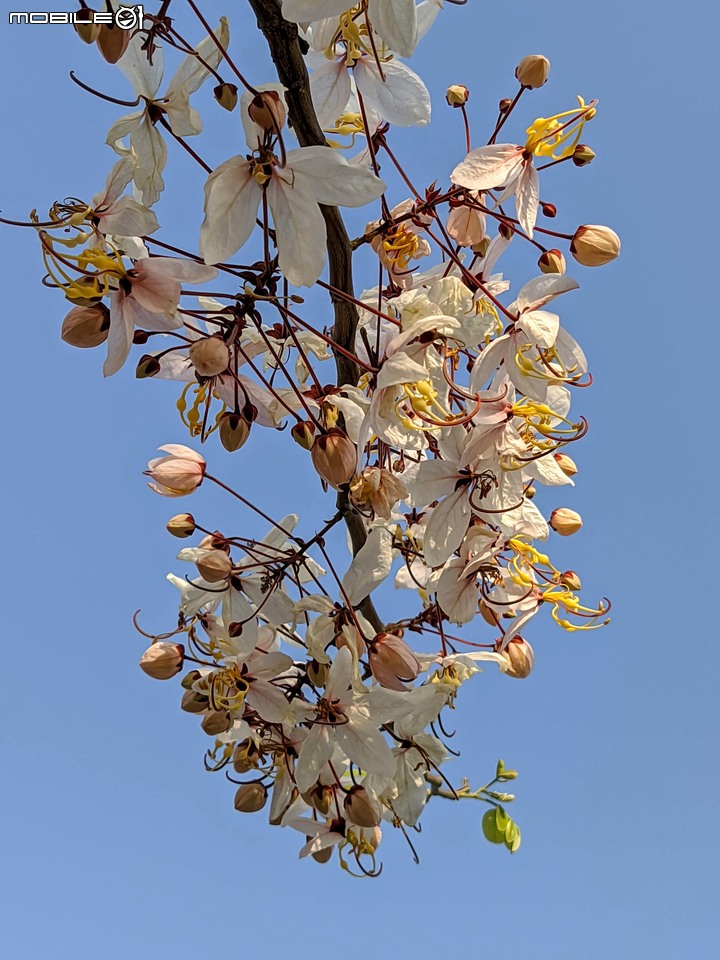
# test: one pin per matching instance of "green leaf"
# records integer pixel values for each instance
(490, 828)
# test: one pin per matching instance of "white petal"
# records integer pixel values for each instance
(527, 198)
(541, 326)
(143, 75)
(370, 566)
(192, 72)
(488, 167)
(326, 174)
(300, 229)
(151, 155)
(232, 196)
(330, 89)
(396, 22)
(128, 218)
(402, 99)
(446, 528)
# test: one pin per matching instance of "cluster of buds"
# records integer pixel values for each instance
(447, 414)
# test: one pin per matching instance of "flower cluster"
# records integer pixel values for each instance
(449, 408)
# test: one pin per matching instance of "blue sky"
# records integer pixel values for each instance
(115, 842)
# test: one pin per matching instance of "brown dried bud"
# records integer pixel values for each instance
(379, 489)
(570, 579)
(549, 210)
(226, 95)
(268, 111)
(250, 797)
(194, 702)
(163, 660)
(565, 521)
(520, 658)
(214, 566)
(246, 756)
(234, 431)
(189, 679)
(504, 105)
(148, 366)
(113, 42)
(552, 261)
(303, 433)
(533, 71)
(583, 155)
(362, 809)
(391, 661)
(457, 95)
(86, 326)
(210, 356)
(566, 464)
(334, 457)
(182, 525)
(594, 245)
(216, 722)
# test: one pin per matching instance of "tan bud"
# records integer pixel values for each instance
(226, 95)
(268, 111)
(214, 566)
(182, 525)
(246, 756)
(487, 614)
(392, 661)
(303, 433)
(86, 326)
(566, 464)
(194, 702)
(250, 797)
(570, 579)
(457, 95)
(320, 798)
(583, 155)
(361, 808)
(334, 457)
(520, 658)
(552, 261)
(565, 521)
(163, 660)
(533, 71)
(87, 30)
(189, 679)
(113, 42)
(317, 673)
(234, 431)
(530, 491)
(148, 366)
(216, 722)
(594, 245)
(210, 356)
(321, 856)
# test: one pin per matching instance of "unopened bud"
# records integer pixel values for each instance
(530, 491)
(504, 105)
(234, 431)
(487, 614)
(246, 756)
(594, 245)
(549, 210)
(565, 521)
(320, 798)
(321, 856)
(194, 702)
(268, 111)
(317, 673)
(163, 660)
(182, 525)
(519, 657)
(457, 95)
(570, 579)
(216, 722)
(113, 42)
(533, 71)
(226, 95)
(552, 261)
(334, 457)
(303, 433)
(361, 808)
(87, 30)
(392, 661)
(214, 566)
(583, 155)
(86, 326)
(566, 464)
(250, 797)
(210, 356)
(148, 366)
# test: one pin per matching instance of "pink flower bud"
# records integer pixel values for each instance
(86, 326)
(268, 111)
(334, 457)
(214, 566)
(210, 356)
(533, 71)
(182, 525)
(392, 661)
(226, 95)
(361, 808)
(594, 245)
(566, 464)
(179, 473)
(520, 658)
(565, 521)
(163, 660)
(552, 261)
(570, 579)
(457, 95)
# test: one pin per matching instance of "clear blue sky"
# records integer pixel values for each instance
(115, 843)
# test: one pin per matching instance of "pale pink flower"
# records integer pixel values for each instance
(177, 474)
